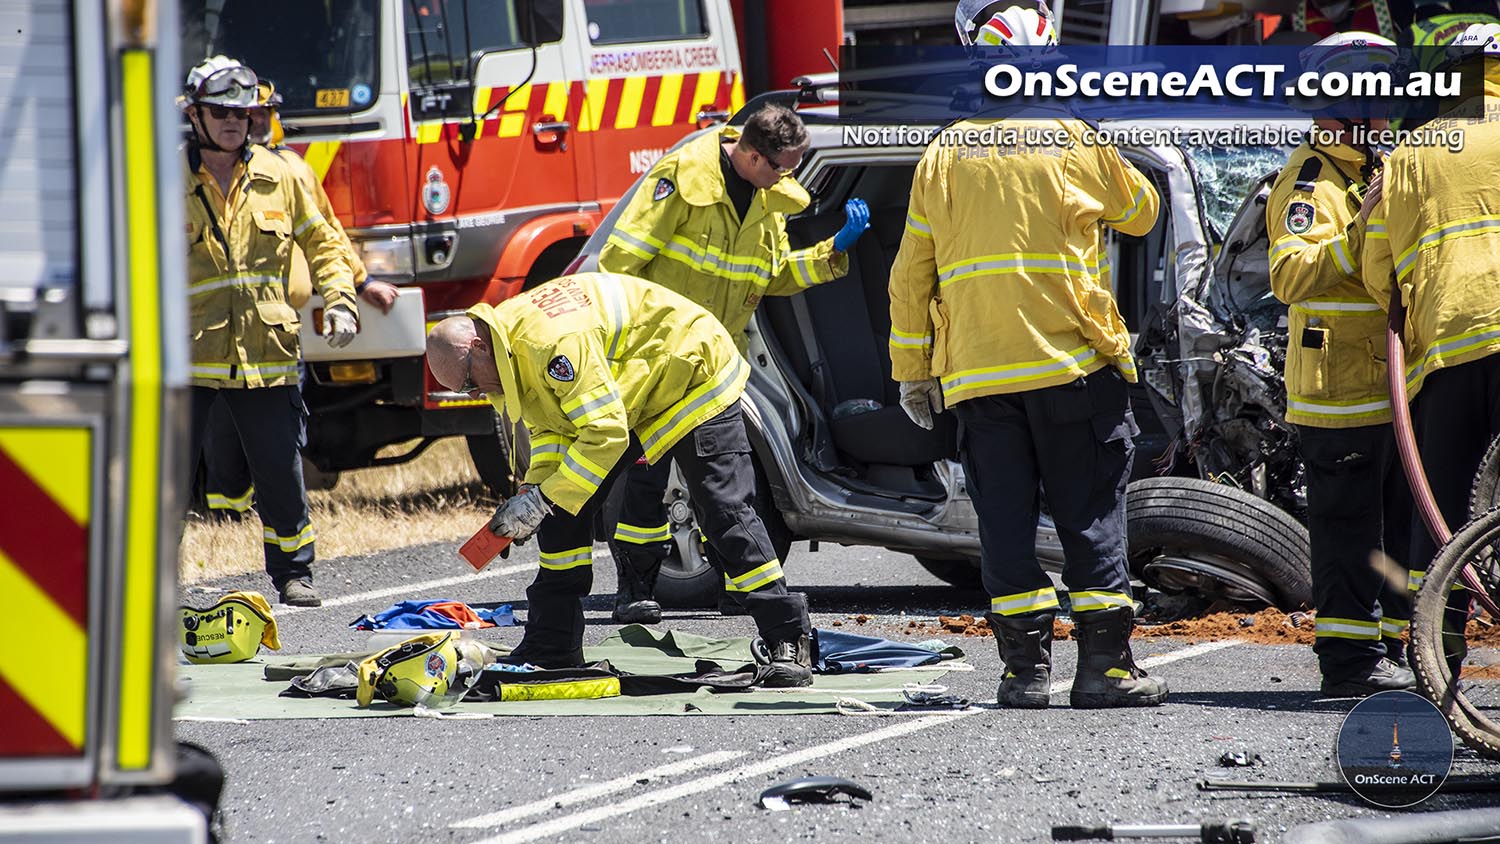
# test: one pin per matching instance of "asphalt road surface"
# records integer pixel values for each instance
(984, 775)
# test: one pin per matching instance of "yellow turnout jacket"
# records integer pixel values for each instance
(587, 359)
(998, 286)
(681, 231)
(1335, 360)
(244, 332)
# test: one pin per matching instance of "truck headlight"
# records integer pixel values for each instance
(386, 256)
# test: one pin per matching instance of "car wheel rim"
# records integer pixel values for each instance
(688, 558)
(1207, 575)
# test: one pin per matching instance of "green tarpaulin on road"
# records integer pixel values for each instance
(241, 691)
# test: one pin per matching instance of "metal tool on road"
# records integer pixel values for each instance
(1452, 785)
(1235, 831)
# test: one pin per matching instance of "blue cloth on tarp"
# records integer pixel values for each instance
(420, 615)
(837, 652)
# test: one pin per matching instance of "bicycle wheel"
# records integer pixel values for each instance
(1471, 705)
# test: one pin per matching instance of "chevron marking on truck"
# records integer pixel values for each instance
(597, 105)
(320, 155)
(44, 536)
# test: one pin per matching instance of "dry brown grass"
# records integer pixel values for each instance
(433, 498)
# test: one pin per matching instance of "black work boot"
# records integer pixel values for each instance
(791, 664)
(1026, 647)
(1395, 651)
(1383, 676)
(1107, 675)
(635, 601)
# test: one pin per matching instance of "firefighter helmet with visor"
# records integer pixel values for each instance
(985, 23)
(221, 81)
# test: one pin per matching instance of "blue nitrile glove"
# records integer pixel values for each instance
(858, 223)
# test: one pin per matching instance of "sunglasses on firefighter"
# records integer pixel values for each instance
(468, 386)
(219, 112)
(780, 171)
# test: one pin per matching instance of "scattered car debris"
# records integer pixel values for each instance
(779, 798)
(1239, 757)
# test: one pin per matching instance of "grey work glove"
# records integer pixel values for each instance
(339, 326)
(521, 514)
(921, 399)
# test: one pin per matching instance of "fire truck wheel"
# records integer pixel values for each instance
(491, 454)
(314, 478)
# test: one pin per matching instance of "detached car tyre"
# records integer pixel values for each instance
(1217, 541)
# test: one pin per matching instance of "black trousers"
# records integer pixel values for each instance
(1456, 415)
(1072, 441)
(226, 472)
(720, 476)
(1357, 503)
(271, 423)
(641, 538)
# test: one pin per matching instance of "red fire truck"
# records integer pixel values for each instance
(469, 147)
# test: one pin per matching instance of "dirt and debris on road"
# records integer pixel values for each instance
(1267, 627)
(1262, 627)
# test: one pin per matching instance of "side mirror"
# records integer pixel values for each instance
(539, 22)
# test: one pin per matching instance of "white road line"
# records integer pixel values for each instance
(1151, 662)
(589, 792)
(412, 588)
(787, 760)
(407, 588)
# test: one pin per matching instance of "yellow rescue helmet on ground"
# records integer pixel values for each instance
(231, 630)
(432, 669)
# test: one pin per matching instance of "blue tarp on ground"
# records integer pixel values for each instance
(839, 653)
(419, 615)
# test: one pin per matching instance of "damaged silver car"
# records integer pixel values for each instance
(1212, 500)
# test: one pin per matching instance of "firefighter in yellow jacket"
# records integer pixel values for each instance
(1337, 395)
(1435, 237)
(604, 368)
(709, 221)
(227, 482)
(245, 208)
(999, 314)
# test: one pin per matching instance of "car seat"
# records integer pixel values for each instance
(850, 322)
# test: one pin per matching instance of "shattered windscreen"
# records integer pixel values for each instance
(1225, 175)
(321, 54)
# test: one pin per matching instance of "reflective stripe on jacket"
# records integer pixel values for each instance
(589, 358)
(680, 230)
(998, 286)
(1437, 232)
(1335, 360)
(244, 332)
